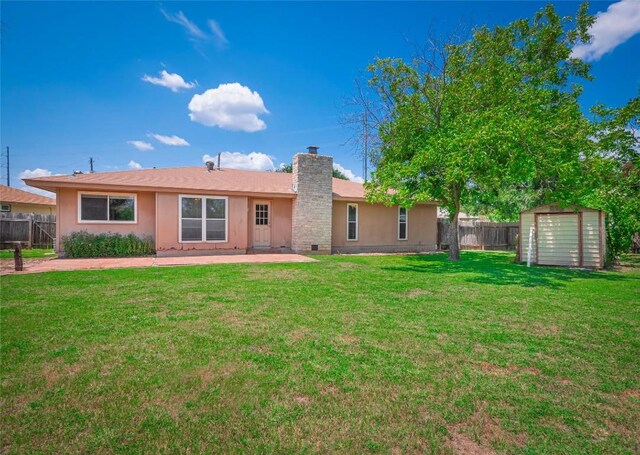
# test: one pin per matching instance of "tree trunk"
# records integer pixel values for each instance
(454, 242)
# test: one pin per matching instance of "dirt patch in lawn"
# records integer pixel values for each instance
(462, 444)
(53, 372)
(491, 368)
(630, 393)
(302, 399)
(415, 293)
(348, 339)
(488, 430)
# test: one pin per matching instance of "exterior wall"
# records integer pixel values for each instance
(312, 208)
(378, 229)
(280, 222)
(526, 223)
(168, 225)
(591, 254)
(67, 216)
(17, 207)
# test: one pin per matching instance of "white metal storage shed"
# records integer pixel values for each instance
(570, 237)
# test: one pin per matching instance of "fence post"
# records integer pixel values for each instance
(17, 256)
(30, 243)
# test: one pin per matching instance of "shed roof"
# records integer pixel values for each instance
(15, 196)
(191, 179)
(557, 208)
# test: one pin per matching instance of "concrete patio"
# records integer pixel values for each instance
(53, 265)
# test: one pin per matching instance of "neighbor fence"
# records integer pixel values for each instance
(480, 235)
(32, 230)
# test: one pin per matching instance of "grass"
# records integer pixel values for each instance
(349, 354)
(26, 253)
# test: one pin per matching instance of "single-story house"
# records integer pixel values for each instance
(564, 236)
(204, 209)
(19, 201)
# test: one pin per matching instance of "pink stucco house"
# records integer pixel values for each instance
(204, 210)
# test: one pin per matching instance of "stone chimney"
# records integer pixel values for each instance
(311, 217)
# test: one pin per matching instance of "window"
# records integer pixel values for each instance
(106, 208)
(5, 207)
(262, 214)
(402, 223)
(203, 219)
(352, 221)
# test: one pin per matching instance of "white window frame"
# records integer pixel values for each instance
(204, 198)
(353, 204)
(108, 194)
(5, 207)
(406, 223)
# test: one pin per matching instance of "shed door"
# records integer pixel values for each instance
(558, 239)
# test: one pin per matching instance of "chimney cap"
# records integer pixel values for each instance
(313, 149)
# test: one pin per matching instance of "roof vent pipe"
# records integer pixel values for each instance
(219, 161)
(313, 149)
(209, 165)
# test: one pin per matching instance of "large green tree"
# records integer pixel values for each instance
(288, 169)
(492, 121)
(614, 169)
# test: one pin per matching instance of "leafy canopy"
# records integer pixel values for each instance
(288, 168)
(490, 122)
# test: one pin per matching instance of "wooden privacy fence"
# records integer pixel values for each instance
(480, 235)
(32, 230)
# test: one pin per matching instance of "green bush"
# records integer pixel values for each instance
(85, 245)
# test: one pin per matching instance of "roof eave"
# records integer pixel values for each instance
(50, 185)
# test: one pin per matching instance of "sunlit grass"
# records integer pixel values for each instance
(348, 354)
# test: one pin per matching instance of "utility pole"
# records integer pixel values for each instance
(91, 165)
(365, 143)
(8, 172)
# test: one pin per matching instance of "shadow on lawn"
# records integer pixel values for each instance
(499, 269)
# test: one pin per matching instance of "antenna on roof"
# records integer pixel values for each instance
(91, 165)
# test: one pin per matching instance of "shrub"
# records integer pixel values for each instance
(85, 245)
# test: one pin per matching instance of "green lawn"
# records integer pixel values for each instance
(26, 253)
(349, 354)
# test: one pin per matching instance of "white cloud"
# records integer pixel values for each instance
(230, 106)
(141, 145)
(196, 32)
(253, 161)
(31, 174)
(218, 34)
(172, 81)
(182, 20)
(348, 173)
(169, 140)
(613, 27)
(133, 165)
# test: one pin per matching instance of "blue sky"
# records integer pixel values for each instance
(266, 79)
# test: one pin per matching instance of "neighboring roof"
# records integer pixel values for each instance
(444, 213)
(16, 196)
(193, 179)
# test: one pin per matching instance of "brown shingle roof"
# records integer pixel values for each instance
(15, 196)
(192, 179)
